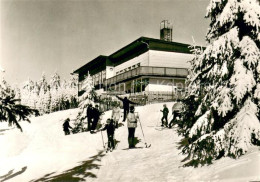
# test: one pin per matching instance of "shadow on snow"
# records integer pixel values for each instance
(78, 173)
(10, 174)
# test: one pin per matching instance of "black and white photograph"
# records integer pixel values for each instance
(130, 90)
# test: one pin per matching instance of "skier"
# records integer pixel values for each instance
(110, 127)
(95, 114)
(165, 112)
(126, 103)
(66, 126)
(89, 115)
(131, 124)
(116, 114)
(176, 109)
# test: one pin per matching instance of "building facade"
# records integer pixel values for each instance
(145, 66)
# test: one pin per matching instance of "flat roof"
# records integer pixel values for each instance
(98, 61)
(135, 48)
(153, 44)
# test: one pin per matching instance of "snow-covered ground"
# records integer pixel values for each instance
(43, 153)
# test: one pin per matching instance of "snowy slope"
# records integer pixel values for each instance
(43, 149)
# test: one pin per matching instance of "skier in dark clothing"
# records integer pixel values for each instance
(66, 126)
(96, 114)
(126, 103)
(110, 127)
(176, 112)
(90, 115)
(165, 115)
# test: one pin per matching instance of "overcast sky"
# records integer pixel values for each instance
(59, 35)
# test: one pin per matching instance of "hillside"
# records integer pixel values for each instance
(43, 153)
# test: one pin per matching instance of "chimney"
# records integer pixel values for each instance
(166, 31)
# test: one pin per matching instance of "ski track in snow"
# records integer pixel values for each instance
(44, 149)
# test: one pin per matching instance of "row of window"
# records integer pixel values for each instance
(128, 69)
(99, 77)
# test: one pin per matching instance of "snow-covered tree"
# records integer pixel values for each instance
(43, 84)
(47, 102)
(44, 101)
(34, 96)
(26, 92)
(64, 95)
(84, 100)
(222, 108)
(55, 90)
(40, 102)
(17, 91)
(50, 97)
(88, 96)
(72, 89)
(11, 110)
(5, 88)
(55, 81)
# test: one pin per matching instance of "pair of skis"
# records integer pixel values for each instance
(111, 148)
(146, 144)
(104, 144)
(160, 128)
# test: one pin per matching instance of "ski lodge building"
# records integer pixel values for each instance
(156, 68)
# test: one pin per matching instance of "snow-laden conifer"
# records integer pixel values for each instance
(87, 97)
(72, 91)
(27, 92)
(42, 83)
(55, 90)
(222, 108)
(85, 100)
(11, 110)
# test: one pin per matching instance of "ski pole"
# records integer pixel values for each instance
(102, 139)
(143, 134)
(142, 131)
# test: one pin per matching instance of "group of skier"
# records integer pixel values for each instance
(93, 115)
(112, 123)
(176, 110)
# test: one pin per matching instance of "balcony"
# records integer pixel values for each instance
(148, 71)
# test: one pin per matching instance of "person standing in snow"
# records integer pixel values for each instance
(131, 124)
(110, 127)
(116, 114)
(165, 112)
(90, 115)
(66, 126)
(176, 110)
(126, 103)
(96, 114)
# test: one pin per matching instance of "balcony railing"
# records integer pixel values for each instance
(148, 71)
